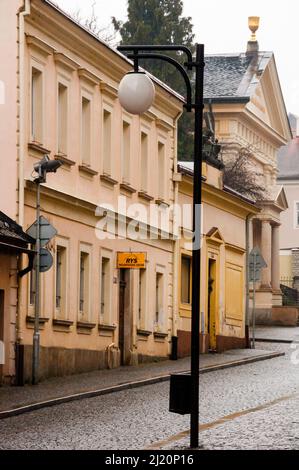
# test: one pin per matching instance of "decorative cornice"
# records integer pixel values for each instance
(108, 179)
(106, 327)
(37, 150)
(86, 325)
(160, 335)
(88, 76)
(142, 332)
(86, 169)
(126, 187)
(145, 196)
(163, 125)
(39, 45)
(66, 62)
(64, 159)
(60, 322)
(149, 116)
(109, 90)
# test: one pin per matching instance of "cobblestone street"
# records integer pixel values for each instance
(259, 402)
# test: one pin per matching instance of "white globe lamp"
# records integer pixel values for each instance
(136, 92)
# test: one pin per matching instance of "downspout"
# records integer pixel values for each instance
(247, 318)
(23, 12)
(176, 249)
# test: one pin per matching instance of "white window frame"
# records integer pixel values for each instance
(86, 95)
(63, 311)
(106, 317)
(162, 315)
(296, 214)
(107, 159)
(162, 193)
(61, 80)
(125, 163)
(85, 314)
(37, 136)
(145, 131)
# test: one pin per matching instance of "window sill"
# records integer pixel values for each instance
(145, 196)
(126, 187)
(59, 322)
(107, 327)
(143, 332)
(161, 202)
(37, 150)
(108, 179)
(42, 320)
(87, 170)
(86, 325)
(160, 335)
(64, 159)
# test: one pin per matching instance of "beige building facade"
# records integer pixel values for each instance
(63, 87)
(225, 215)
(250, 114)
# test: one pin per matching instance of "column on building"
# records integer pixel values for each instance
(266, 249)
(275, 276)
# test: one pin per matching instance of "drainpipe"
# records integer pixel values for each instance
(247, 323)
(23, 12)
(176, 251)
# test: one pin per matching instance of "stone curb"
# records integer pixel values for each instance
(276, 340)
(127, 386)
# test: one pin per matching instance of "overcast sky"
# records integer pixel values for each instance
(222, 26)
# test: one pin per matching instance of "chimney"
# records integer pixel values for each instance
(252, 44)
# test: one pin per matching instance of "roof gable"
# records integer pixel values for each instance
(281, 199)
(267, 103)
(215, 235)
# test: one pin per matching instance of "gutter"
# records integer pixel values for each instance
(23, 12)
(227, 99)
(247, 319)
(176, 249)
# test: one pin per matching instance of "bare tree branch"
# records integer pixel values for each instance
(92, 23)
(240, 174)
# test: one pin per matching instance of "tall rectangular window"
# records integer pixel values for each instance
(105, 289)
(62, 118)
(186, 280)
(61, 288)
(84, 284)
(142, 297)
(159, 298)
(144, 162)
(86, 131)
(126, 148)
(32, 288)
(106, 142)
(297, 214)
(161, 170)
(37, 105)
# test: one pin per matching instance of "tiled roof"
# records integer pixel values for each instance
(10, 230)
(233, 76)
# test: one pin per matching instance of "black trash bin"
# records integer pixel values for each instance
(180, 394)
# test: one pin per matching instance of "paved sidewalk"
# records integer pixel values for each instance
(107, 381)
(277, 333)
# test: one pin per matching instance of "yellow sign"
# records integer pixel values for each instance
(131, 260)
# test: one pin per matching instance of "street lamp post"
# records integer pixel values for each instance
(135, 86)
(42, 168)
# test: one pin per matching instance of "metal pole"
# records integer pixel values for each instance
(247, 319)
(196, 255)
(253, 303)
(36, 334)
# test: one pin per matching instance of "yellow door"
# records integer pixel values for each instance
(212, 304)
